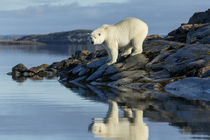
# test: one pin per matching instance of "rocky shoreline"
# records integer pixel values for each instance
(177, 62)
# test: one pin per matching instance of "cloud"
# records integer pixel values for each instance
(161, 17)
(8, 5)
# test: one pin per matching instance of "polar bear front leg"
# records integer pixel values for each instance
(112, 50)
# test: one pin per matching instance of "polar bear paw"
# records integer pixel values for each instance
(110, 62)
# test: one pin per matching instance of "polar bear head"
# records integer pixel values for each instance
(98, 36)
(98, 128)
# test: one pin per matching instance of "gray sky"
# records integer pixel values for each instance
(47, 16)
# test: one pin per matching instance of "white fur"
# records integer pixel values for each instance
(128, 34)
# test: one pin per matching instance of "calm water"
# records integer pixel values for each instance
(46, 110)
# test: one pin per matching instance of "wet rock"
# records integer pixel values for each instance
(192, 88)
(200, 17)
(36, 77)
(46, 74)
(16, 74)
(9, 73)
(19, 68)
(28, 74)
(38, 68)
(18, 78)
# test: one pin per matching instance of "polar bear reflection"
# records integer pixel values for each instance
(126, 128)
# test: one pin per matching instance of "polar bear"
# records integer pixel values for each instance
(128, 127)
(127, 34)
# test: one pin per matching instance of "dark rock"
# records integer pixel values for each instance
(82, 55)
(136, 61)
(84, 71)
(206, 74)
(205, 71)
(36, 77)
(98, 73)
(38, 68)
(97, 63)
(18, 78)
(180, 62)
(180, 34)
(145, 86)
(200, 17)
(9, 73)
(46, 74)
(129, 74)
(28, 74)
(159, 74)
(201, 35)
(113, 69)
(192, 88)
(77, 69)
(120, 82)
(19, 68)
(78, 79)
(16, 74)
(52, 70)
(153, 48)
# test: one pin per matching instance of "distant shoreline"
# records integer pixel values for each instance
(18, 42)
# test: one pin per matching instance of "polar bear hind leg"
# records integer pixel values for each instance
(137, 46)
(138, 42)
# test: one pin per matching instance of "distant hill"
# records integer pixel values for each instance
(8, 37)
(69, 37)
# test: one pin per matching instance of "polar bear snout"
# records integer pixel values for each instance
(97, 37)
(89, 39)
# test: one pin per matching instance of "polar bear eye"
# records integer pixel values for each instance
(99, 34)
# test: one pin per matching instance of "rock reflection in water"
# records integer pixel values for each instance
(129, 127)
(190, 116)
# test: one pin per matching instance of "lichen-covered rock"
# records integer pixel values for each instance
(38, 68)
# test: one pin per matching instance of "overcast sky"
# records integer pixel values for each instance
(47, 16)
